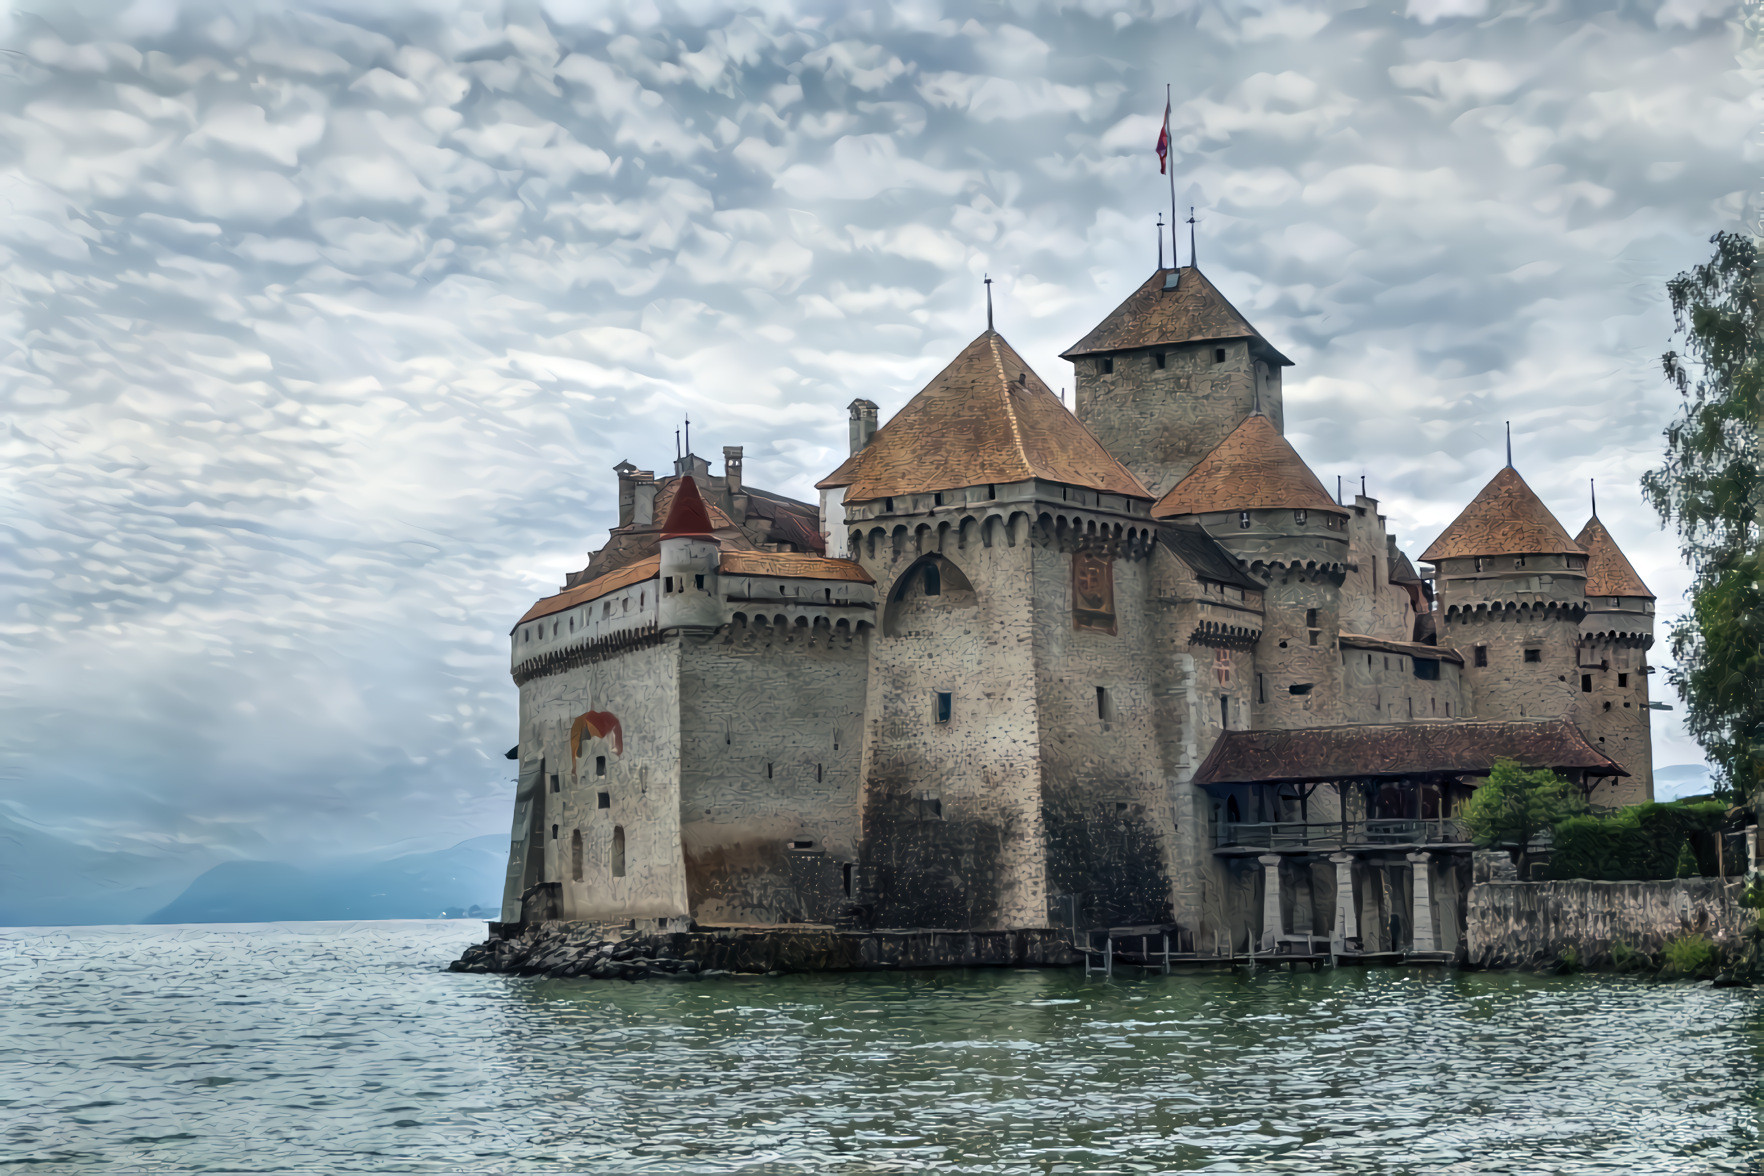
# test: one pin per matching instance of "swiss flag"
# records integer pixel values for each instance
(1164, 141)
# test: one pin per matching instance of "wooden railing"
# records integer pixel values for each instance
(1336, 834)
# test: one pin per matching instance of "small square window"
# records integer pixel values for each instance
(698, 582)
(1534, 655)
(1218, 355)
(1311, 618)
(1622, 680)
(1482, 655)
(1158, 360)
(1301, 517)
(1108, 367)
(600, 765)
(1586, 683)
(1315, 636)
(945, 704)
(937, 499)
(667, 584)
(603, 800)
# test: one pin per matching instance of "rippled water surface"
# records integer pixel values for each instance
(342, 1047)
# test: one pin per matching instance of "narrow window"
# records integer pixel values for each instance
(1108, 367)
(1311, 617)
(1262, 689)
(802, 845)
(943, 706)
(698, 581)
(1368, 661)
(1622, 680)
(933, 581)
(603, 800)
(667, 584)
(1411, 708)
(818, 773)
(555, 786)
(768, 771)
(576, 856)
(1218, 355)
(1224, 710)
(1534, 655)
(1479, 563)
(618, 851)
(888, 505)
(991, 492)
(847, 875)
(600, 765)
(1158, 360)
(554, 832)
(1104, 711)
(937, 499)
(1387, 663)
(1586, 683)
(642, 599)
(1482, 655)
(1301, 516)
(1243, 519)
(1448, 710)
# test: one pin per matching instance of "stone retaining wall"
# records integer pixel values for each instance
(1531, 924)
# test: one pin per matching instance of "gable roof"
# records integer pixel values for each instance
(1254, 468)
(1506, 518)
(1451, 747)
(1193, 312)
(985, 418)
(1608, 570)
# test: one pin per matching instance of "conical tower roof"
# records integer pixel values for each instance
(687, 516)
(1608, 570)
(1254, 468)
(1506, 518)
(1193, 312)
(985, 418)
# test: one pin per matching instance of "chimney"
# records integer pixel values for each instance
(732, 468)
(863, 423)
(627, 494)
(643, 498)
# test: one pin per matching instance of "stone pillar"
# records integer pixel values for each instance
(1270, 899)
(1346, 926)
(1424, 938)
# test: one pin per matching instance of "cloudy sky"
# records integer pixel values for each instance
(321, 327)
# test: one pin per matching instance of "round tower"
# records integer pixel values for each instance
(1254, 494)
(689, 560)
(1511, 591)
(1614, 640)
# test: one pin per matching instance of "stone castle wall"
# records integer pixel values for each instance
(1532, 924)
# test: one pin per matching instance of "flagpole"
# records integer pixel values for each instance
(1170, 149)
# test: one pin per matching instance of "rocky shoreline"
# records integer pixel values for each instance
(586, 953)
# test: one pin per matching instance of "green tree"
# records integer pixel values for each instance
(1514, 805)
(1711, 488)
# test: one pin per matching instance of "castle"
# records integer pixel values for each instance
(1131, 666)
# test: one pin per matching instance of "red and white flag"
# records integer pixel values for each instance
(1164, 140)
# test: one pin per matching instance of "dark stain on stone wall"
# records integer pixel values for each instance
(923, 868)
(1109, 859)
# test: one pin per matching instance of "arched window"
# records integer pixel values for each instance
(618, 851)
(576, 856)
(933, 580)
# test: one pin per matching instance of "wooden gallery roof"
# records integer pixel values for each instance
(1608, 570)
(1193, 312)
(1254, 468)
(986, 418)
(1506, 518)
(1398, 749)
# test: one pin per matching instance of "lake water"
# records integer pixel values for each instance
(346, 1047)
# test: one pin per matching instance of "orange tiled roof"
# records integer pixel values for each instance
(1506, 518)
(1193, 312)
(985, 418)
(1608, 570)
(643, 569)
(1254, 468)
(795, 564)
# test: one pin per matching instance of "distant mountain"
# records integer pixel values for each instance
(1678, 780)
(465, 881)
(46, 881)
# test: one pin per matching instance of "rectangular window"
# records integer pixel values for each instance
(1315, 636)
(603, 800)
(1225, 710)
(1586, 683)
(768, 771)
(1311, 617)
(818, 776)
(1534, 655)
(944, 706)
(1104, 710)
(555, 786)
(698, 581)
(554, 832)
(1218, 355)
(1300, 688)
(1301, 517)
(802, 844)
(937, 499)
(849, 880)
(1622, 680)
(1108, 367)
(1261, 689)
(1158, 360)
(600, 765)
(667, 584)
(1427, 669)
(1482, 655)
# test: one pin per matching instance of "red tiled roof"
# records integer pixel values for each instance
(1193, 312)
(1254, 468)
(1399, 749)
(985, 418)
(687, 516)
(1608, 571)
(1506, 518)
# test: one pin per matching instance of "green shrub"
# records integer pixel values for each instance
(1625, 958)
(1693, 957)
(1568, 960)
(1638, 843)
(1687, 862)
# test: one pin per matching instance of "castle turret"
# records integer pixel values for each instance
(689, 558)
(1254, 495)
(1614, 639)
(1170, 372)
(1511, 587)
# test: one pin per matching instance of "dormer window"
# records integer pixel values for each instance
(1301, 516)
(1243, 519)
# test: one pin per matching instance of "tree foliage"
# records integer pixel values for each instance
(1711, 488)
(1513, 806)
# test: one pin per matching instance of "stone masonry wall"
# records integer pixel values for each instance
(772, 752)
(642, 783)
(1159, 421)
(1614, 715)
(1509, 687)
(1370, 604)
(1531, 924)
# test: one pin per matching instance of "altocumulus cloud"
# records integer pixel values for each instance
(323, 326)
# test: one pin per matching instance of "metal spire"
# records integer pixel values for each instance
(1192, 262)
(989, 302)
(1160, 240)
(1594, 483)
(677, 453)
(1509, 444)
(688, 434)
